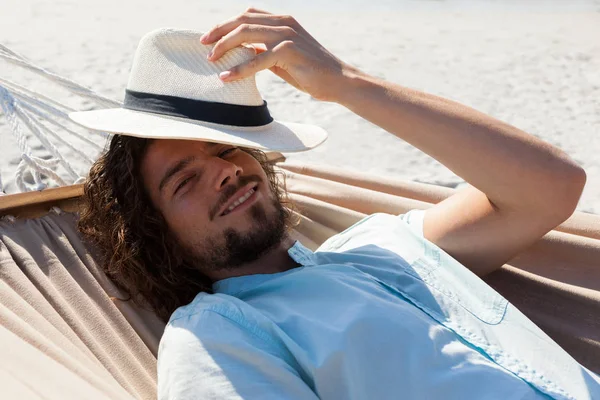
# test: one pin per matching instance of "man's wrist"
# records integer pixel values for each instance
(352, 82)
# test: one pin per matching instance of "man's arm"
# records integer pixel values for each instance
(520, 187)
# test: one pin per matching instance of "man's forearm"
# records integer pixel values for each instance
(512, 168)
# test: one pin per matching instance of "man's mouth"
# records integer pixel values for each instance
(240, 200)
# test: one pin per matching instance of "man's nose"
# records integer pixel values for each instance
(228, 174)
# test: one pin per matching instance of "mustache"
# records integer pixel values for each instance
(230, 190)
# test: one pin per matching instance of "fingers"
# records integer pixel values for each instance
(265, 60)
(224, 28)
(261, 61)
(257, 11)
(251, 34)
(260, 30)
(251, 16)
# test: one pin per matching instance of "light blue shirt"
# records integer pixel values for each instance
(377, 312)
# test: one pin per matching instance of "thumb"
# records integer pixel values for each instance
(280, 72)
(286, 76)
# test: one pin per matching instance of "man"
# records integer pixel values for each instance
(391, 307)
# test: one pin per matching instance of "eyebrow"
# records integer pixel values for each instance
(181, 164)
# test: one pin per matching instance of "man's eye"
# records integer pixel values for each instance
(182, 184)
(228, 151)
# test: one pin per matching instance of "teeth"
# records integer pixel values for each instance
(240, 200)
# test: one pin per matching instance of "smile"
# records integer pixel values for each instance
(242, 202)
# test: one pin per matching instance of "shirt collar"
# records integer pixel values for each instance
(237, 284)
(302, 254)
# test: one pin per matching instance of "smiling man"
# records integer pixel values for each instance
(390, 308)
(221, 205)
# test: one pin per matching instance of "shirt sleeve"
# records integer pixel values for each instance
(414, 220)
(210, 356)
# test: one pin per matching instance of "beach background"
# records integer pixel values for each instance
(533, 64)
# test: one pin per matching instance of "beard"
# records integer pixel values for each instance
(231, 249)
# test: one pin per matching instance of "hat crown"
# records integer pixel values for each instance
(173, 62)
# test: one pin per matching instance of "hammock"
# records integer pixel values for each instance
(65, 334)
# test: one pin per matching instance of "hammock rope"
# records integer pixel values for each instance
(68, 84)
(25, 109)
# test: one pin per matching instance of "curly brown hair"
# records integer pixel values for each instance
(137, 250)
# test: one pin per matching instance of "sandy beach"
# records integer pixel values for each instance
(532, 64)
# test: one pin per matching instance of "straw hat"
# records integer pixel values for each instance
(174, 92)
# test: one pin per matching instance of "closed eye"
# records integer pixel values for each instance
(182, 184)
(228, 151)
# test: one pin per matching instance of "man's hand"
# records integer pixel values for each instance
(282, 46)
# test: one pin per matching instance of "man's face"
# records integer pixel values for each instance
(194, 183)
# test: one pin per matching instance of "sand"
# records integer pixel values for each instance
(534, 65)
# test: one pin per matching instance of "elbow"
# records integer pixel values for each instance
(567, 193)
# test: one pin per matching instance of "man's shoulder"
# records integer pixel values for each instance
(215, 320)
(207, 312)
(204, 305)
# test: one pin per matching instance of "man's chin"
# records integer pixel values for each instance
(244, 240)
(248, 245)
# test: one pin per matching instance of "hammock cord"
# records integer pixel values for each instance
(25, 110)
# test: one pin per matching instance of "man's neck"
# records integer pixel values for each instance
(276, 260)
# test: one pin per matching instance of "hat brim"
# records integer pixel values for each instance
(275, 136)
